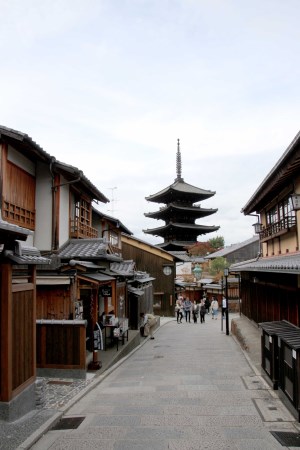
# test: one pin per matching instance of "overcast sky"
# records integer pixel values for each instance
(109, 86)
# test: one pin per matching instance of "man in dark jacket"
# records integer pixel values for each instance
(187, 306)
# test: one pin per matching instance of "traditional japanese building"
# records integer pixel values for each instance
(180, 212)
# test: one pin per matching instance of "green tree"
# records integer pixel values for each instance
(218, 265)
(217, 242)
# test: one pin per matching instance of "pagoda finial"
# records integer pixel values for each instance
(178, 162)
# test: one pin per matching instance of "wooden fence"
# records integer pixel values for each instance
(61, 344)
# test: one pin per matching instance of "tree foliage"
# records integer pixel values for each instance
(218, 265)
(217, 243)
(205, 248)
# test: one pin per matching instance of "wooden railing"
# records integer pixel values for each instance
(278, 227)
(18, 215)
(81, 230)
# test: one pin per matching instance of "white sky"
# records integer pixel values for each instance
(109, 85)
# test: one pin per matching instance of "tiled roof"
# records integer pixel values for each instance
(280, 264)
(181, 186)
(84, 248)
(10, 232)
(26, 255)
(124, 268)
(232, 248)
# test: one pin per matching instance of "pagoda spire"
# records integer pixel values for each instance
(178, 163)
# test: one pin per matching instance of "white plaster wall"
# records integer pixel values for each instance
(184, 268)
(64, 213)
(43, 202)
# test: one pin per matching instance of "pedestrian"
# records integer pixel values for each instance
(187, 306)
(149, 322)
(195, 312)
(178, 310)
(224, 304)
(181, 314)
(214, 308)
(202, 312)
(207, 305)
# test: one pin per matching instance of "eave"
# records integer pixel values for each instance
(192, 211)
(180, 190)
(24, 144)
(198, 229)
(281, 175)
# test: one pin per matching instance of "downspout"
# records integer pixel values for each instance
(53, 205)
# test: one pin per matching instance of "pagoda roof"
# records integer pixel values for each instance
(166, 229)
(180, 190)
(193, 211)
(172, 246)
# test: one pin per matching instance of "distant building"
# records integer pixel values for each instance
(235, 253)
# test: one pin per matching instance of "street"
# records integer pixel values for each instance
(189, 388)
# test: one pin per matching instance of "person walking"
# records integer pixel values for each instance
(149, 321)
(178, 309)
(207, 305)
(223, 306)
(195, 312)
(214, 308)
(202, 312)
(187, 306)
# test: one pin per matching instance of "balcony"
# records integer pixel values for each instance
(278, 228)
(79, 230)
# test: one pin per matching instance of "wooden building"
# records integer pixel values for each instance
(270, 283)
(161, 267)
(53, 200)
(17, 321)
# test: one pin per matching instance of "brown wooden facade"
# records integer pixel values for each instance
(17, 351)
(154, 261)
(270, 284)
(270, 297)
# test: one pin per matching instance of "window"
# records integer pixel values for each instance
(281, 211)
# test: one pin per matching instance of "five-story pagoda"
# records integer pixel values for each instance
(180, 212)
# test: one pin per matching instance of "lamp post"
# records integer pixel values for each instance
(226, 273)
(197, 271)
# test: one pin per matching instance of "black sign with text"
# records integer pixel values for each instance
(105, 291)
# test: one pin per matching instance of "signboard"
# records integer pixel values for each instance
(105, 291)
(98, 338)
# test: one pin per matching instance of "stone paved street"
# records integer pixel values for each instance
(190, 388)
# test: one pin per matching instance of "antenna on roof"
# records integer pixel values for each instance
(112, 200)
(178, 162)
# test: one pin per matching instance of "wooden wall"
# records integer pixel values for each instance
(269, 297)
(18, 196)
(153, 264)
(17, 365)
(54, 302)
(61, 345)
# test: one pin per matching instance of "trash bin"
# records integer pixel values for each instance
(280, 346)
(270, 348)
(289, 374)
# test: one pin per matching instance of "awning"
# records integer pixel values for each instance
(98, 277)
(288, 264)
(52, 280)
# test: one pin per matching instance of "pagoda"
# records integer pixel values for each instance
(180, 212)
